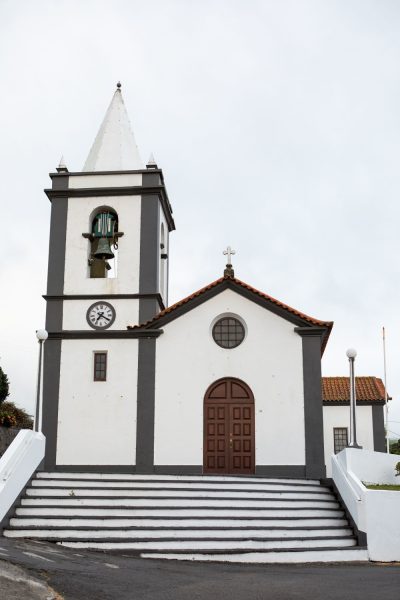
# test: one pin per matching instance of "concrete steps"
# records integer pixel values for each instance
(232, 519)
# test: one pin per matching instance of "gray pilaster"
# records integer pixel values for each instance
(54, 315)
(58, 234)
(378, 428)
(145, 406)
(51, 387)
(313, 410)
(149, 255)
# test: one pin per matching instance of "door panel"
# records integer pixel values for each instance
(229, 444)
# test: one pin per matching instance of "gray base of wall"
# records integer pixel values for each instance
(93, 469)
(293, 471)
(361, 535)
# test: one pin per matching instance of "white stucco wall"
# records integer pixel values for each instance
(97, 420)
(339, 416)
(269, 361)
(76, 276)
(74, 313)
(105, 180)
(375, 512)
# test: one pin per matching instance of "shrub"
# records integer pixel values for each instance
(394, 447)
(4, 386)
(397, 467)
(12, 416)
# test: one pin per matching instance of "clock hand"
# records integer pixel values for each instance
(102, 316)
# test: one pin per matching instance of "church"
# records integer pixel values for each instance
(225, 382)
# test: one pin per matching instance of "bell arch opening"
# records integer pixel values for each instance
(103, 243)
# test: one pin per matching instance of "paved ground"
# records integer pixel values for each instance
(98, 576)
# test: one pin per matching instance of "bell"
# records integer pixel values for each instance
(103, 251)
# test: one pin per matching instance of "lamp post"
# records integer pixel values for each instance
(351, 355)
(42, 336)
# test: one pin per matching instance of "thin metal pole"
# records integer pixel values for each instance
(37, 408)
(386, 393)
(353, 429)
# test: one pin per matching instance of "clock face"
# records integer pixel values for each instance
(100, 315)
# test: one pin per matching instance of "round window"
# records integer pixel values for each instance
(228, 332)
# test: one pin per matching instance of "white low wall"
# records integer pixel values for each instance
(375, 512)
(17, 466)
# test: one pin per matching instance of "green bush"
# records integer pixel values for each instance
(4, 386)
(12, 416)
(394, 447)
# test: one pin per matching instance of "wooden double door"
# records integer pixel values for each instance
(229, 440)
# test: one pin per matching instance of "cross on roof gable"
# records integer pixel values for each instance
(283, 310)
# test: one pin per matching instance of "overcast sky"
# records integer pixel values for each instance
(277, 126)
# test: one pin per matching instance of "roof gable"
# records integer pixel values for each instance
(292, 315)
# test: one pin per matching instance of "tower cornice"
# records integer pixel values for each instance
(136, 190)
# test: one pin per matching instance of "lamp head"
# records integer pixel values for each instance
(351, 353)
(42, 335)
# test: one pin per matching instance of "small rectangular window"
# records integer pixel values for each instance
(340, 439)
(100, 366)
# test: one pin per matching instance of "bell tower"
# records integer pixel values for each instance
(110, 226)
(108, 253)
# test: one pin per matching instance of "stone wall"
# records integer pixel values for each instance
(7, 434)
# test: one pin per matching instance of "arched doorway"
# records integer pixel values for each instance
(229, 441)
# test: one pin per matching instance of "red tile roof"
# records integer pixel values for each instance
(337, 389)
(237, 282)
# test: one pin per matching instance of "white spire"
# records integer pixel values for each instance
(114, 148)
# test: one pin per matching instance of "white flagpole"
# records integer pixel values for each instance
(386, 392)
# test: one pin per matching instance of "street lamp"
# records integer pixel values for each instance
(351, 355)
(42, 336)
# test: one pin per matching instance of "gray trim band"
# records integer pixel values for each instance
(358, 402)
(51, 388)
(94, 173)
(92, 334)
(155, 296)
(378, 428)
(178, 469)
(95, 469)
(136, 190)
(278, 471)
(295, 471)
(313, 412)
(145, 406)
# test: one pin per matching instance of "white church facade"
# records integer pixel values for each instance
(226, 381)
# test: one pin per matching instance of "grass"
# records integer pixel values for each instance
(382, 487)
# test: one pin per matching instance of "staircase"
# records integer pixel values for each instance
(229, 519)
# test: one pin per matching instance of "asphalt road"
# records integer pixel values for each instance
(99, 576)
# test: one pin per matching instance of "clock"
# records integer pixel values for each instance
(100, 315)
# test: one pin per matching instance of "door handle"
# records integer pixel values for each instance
(230, 442)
